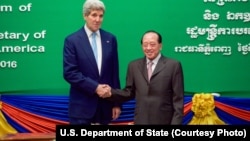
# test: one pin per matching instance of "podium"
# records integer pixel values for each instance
(29, 137)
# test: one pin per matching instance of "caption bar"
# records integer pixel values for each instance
(171, 132)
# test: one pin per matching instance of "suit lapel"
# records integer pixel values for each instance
(86, 46)
(160, 65)
(143, 68)
(105, 50)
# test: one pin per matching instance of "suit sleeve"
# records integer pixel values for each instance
(178, 96)
(127, 93)
(71, 71)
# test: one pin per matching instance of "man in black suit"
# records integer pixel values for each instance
(86, 72)
(159, 97)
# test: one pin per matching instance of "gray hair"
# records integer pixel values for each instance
(90, 5)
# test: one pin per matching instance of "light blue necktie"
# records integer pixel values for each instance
(94, 46)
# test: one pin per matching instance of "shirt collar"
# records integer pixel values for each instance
(155, 61)
(89, 32)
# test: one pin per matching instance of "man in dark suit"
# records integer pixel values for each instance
(159, 97)
(86, 74)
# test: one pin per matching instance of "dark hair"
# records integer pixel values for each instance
(153, 31)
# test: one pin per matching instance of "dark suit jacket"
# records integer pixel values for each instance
(159, 101)
(81, 72)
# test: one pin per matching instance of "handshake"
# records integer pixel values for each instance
(103, 90)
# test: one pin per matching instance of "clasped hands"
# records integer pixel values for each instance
(103, 90)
